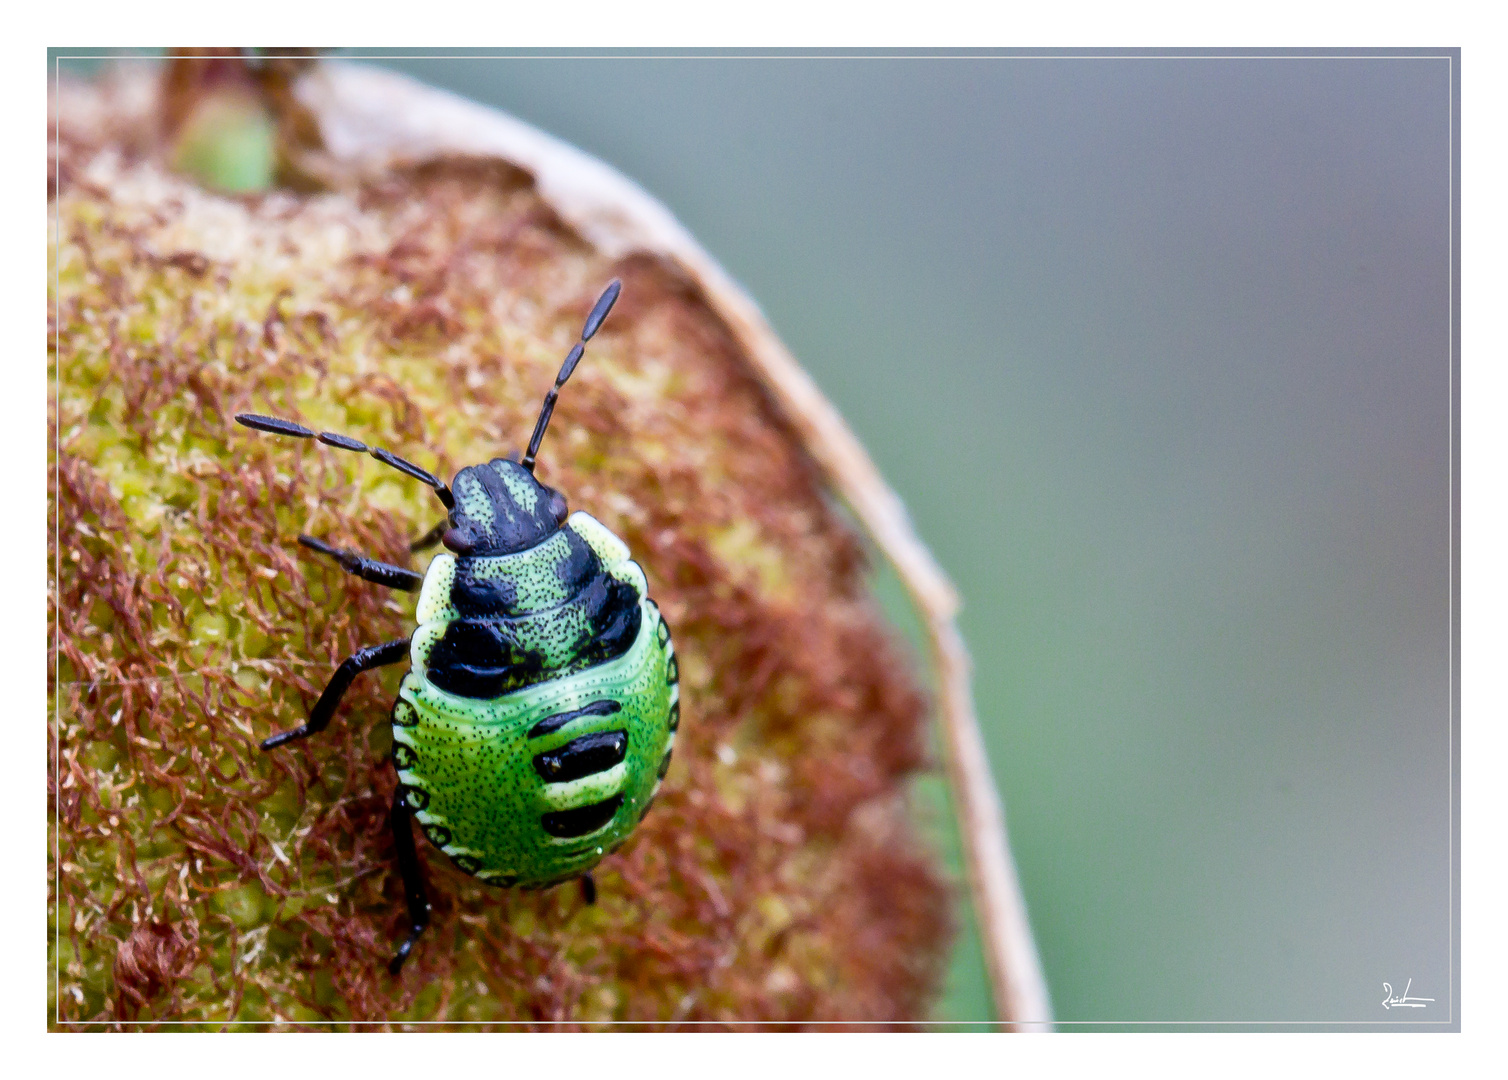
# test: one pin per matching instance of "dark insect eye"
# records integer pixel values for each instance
(558, 507)
(458, 539)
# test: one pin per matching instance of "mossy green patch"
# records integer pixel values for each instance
(197, 879)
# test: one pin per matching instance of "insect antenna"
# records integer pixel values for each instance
(593, 322)
(276, 426)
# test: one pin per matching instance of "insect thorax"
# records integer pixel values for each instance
(492, 625)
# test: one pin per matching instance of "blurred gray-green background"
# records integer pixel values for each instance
(1157, 352)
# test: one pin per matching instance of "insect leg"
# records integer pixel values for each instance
(431, 538)
(277, 426)
(319, 717)
(413, 880)
(394, 577)
(588, 889)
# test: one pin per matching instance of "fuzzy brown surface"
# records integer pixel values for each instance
(198, 879)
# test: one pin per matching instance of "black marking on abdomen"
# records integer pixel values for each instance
(582, 819)
(404, 756)
(665, 765)
(672, 671)
(675, 715)
(604, 707)
(415, 798)
(580, 757)
(437, 835)
(404, 714)
(467, 864)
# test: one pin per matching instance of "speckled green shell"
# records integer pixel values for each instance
(468, 766)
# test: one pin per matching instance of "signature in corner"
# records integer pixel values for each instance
(1404, 1002)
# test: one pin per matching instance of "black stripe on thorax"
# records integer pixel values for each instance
(486, 657)
(478, 597)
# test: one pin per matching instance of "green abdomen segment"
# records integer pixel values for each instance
(537, 784)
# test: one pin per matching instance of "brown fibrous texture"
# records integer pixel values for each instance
(196, 879)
